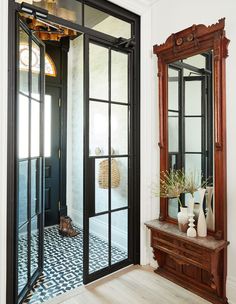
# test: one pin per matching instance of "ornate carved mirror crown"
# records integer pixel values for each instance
(192, 109)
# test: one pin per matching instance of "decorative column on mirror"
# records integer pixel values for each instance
(201, 225)
(191, 232)
(210, 215)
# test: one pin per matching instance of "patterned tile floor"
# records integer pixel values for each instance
(63, 263)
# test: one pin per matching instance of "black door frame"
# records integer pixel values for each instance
(60, 82)
(123, 14)
(39, 212)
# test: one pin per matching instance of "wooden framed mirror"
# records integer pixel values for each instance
(192, 114)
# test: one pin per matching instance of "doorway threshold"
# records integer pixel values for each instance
(75, 292)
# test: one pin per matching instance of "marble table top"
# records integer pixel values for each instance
(208, 242)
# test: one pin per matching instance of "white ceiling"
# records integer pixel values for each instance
(137, 6)
(146, 2)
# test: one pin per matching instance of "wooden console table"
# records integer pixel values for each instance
(194, 263)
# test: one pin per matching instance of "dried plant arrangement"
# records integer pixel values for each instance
(172, 185)
(193, 182)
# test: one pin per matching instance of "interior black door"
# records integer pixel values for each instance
(29, 160)
(52, 154)
(108, 159)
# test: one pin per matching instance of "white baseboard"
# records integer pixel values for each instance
(99, 229)
(231, 290)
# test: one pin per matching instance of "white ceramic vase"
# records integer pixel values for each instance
(196, 210)
(210, 214)
(201, 225)
(183, 219)
(191, 232)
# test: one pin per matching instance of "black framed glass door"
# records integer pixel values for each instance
(29, 159)
(108, 159)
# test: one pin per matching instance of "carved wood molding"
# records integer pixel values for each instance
(190, 38)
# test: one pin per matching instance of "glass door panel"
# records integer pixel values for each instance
(23, 257)
(98, 243)
(101, 184)
(119, 129)
(119, 189)
(23, 62)
(29, 160)
(119, 77)
(23, 127)
(106, 224)
(98, 73)
(119, 236)
(98, 128)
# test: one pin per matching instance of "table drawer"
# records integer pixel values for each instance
(179, 248)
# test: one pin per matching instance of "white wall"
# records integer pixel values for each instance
(75, 131)
(172, 16)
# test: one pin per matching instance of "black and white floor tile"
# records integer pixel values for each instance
(63, 263)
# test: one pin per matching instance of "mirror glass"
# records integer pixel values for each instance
(191, 128)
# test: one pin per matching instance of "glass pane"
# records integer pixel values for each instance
(102, 22)
(193, 133)
(119, 129)
(119, 77)
(24, 62)
(119, 182)
(35, 128)
(173, 161)
(50, 67)
(22, 258)
(173, 207)
(173, 132)
(23, 127)
(70, 10)
(35, 66)
(173, 89)
(101, 185)
(98, 128)
(34, 187)
(119, 236)
(98, 72)
(47, 125)
(198, 61)
(98, 243)
(34, 245)
(193, 96)
(22, 192)
(193, 164)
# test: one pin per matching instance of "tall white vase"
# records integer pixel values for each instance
(183, 219)
(210, 215)
(191, 232)
(201, 225)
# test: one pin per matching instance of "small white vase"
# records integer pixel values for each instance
(201, 225)
(209, 215)
(183, 219)
(191, 232)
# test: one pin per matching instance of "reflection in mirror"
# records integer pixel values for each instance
(190, 126)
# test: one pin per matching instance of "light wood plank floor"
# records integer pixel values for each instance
(133, 285)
